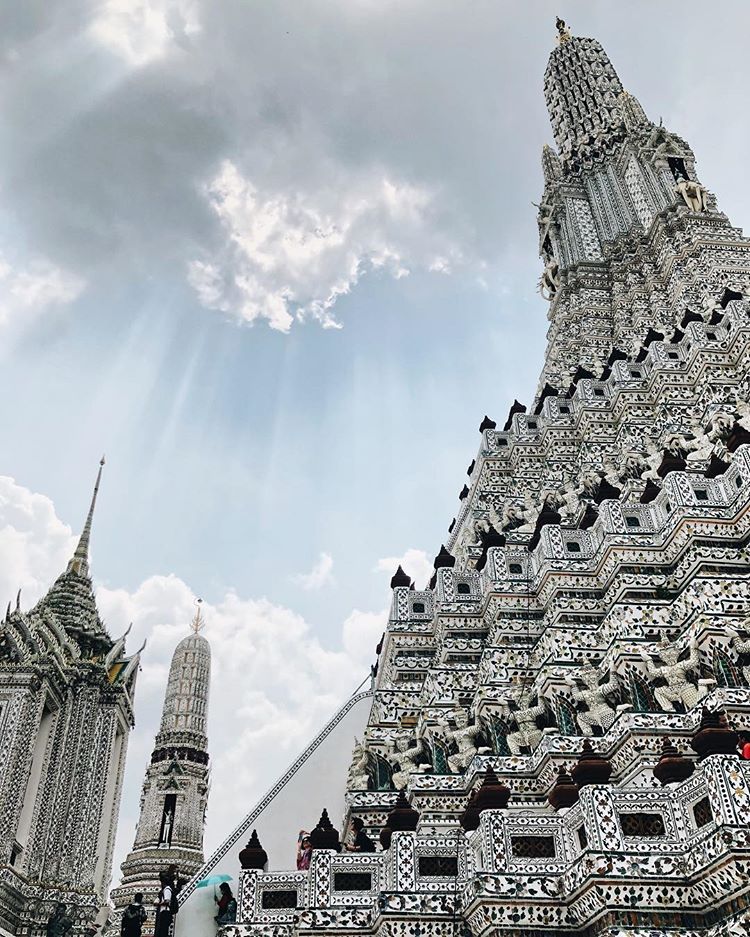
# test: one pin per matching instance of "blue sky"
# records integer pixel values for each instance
(277, 261)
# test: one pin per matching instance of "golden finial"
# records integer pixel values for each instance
(563, 31)
(198, 623)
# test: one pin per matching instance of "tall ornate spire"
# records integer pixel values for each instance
(80, 561)
(175, 789)
(71, 597)
(186, 701)
(616, 179)
(581, 89)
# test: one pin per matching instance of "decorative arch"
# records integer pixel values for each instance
(641, 694)
(566, 716)
(726, 671)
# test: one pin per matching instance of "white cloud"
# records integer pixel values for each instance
(273, 683)
(35, 545)
(140, 31)
(26, 292)
(414, 562)
(320, 575)
(361, 633)
(294, 254)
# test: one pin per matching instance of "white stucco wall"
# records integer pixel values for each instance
(316, 779)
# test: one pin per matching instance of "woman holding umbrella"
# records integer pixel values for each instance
(227, 906)
(227, 902)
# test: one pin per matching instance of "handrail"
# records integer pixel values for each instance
(242, 827)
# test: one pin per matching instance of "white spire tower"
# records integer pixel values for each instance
(175, 789)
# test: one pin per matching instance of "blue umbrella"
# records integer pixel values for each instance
(213, 880)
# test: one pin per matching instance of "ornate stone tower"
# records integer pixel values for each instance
(175, 790)
(619, 257)
(66, 710)
(552, 744)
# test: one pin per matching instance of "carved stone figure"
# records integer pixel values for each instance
(590, 483)
(518, 708)
(705, 441)
(549, 282)
(358, 778)
(544, 220)
(482, 525)
(719, 426)
(632, 465)
(463, 737)
(566, 501)
(694, 194)
(166, 834)
(407, 760)
(670, 674)
(742, 411)
(599, 711)
(673, 444)
(740, 644)
(701, 446)
(518, 516)
(711, 306)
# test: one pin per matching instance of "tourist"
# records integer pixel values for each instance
(166, 906)
(304, 850)
(59, 923)
(361, 842)
(744, 745)
(133, 917)
(227, 906)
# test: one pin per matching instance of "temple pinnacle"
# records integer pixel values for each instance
(198, 622)
(79, 562)
(563, 31)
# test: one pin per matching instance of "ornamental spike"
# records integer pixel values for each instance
(198, 622)
(80, 562)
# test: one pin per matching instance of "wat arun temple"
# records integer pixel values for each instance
(550, 745)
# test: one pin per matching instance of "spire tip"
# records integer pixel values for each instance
(563, 31)
(79, 563)
(198, 622)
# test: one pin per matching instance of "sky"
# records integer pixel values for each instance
(277, 261)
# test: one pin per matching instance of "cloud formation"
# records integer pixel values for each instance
(292, 254)
(262, 156)
(141, 31)
(361, 633)
(413, 562)
(320, 575)
(35, 545)
(273, 156)
(30, 290)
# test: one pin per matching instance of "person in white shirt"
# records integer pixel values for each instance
(165, 906)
